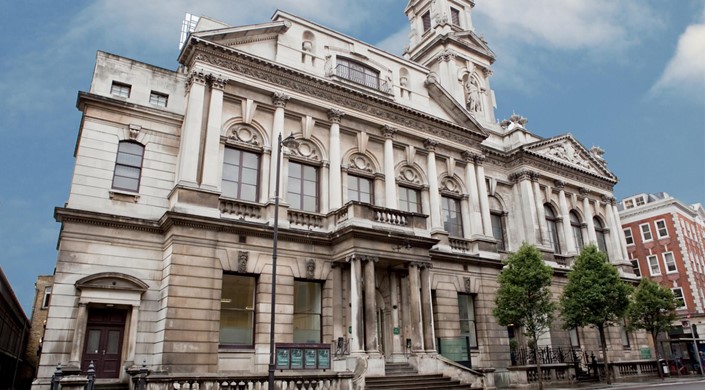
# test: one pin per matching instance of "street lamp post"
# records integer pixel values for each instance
(291, 142)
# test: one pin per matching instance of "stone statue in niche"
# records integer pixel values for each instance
(311, 268)
(472, 102)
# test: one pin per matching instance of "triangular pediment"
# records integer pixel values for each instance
(229, 36)
(476, 43)
(452, 107)
(568, 151)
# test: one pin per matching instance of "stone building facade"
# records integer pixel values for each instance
(398, 202)
(40, 313)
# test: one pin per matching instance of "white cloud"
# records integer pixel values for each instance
(686, 69)
(396, 42)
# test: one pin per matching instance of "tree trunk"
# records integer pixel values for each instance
(603, 341)
(654, 336)
(539, 372)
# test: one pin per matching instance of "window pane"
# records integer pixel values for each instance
(248, 192)
(309, 204)
(128, 172)
(125, 183)
(113, 342)
(237, 309)
(309, 173)
(93, 341)
(307, 312)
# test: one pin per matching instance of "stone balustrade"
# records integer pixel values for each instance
(324, 381)
(240, 210)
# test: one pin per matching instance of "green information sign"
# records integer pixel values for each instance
(282, 358)
(395, 331)
(310, 358)
(297, 359)
(323, 358)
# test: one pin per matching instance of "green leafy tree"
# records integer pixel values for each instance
(594, 295)
(653, 309)
(524, 296)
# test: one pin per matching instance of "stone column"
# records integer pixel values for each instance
(338, 326)
(355, 304)
(426, 204)
(474, 198)
(429, 336)
(266, 163)
(528, 204)
(132, 335)
(390, 185)
(587, 212)
(465, 214)
(190, 146)
(540, 214)
(279, 101)
(211, 154)
(417, 342)
(482, 193)
(434, 195)
(618, 225)
(565, 217)
(371, 344)
(613, 247)
(335, 185)
(79, 334)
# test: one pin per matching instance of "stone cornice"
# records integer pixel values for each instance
(280, 76)
(87, 98)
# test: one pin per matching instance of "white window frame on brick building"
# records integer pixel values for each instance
(652, 260)
(660, 229)
(646, 232)
(628, 236)
(680, 298)
(670, 266)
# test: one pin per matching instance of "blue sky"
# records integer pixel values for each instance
(625, 75)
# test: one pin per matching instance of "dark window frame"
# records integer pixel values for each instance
(128, 166)
(426, 21)
(358, 73)
(242, 153)
(446, 212)
(320, 314)
(600, 234)
(552, 223)
(473, 336)
(300, 205)
(253, 311)
(577, 230)
(501, 229)
(455, 16)
(405, 189)
(118, 87)
(358, 192)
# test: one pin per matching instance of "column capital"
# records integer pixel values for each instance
(479, 159)
(335, 115)
(363, 258)
(217, 81)
(606, 199)
(560, 184)
(468, 156)
(388, 131)
(584, 191)
(534, 176)
(521, 175)
(279, 99)
(196, 76)
(430, 144)
(420, 264)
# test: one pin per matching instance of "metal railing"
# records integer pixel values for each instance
(360, 77)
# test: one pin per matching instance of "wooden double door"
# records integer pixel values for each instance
(105, 330)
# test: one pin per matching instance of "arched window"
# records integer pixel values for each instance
(128, 166)
(357, 72)
(552, 222)
(577, 229)
(600, 234)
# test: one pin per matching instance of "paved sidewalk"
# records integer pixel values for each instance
(643, 383)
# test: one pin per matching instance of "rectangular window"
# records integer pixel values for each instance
(426, 20)
(307, 312)
(302, 193)
(240, 175)
(574, 337)
(120, 89)
(360, 189)
(237, 310)
(409, 200)
(680, 299)
(661, 229)
(498, 230)
(628, 236)
(624, 335)
(158, 99)
(646, 232)
(128, 166)
(466, 308)
(635, 267)
(670, 262)
(640, 201)
(47, 298)
(452, 220)
(654, 267)
(629, 204)
(455, 16)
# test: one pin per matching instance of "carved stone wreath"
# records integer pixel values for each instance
(360, 162)
(243, 134)
(450, 185)
(409, 175)
(306, 150)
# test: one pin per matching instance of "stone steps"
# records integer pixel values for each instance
(402, 376)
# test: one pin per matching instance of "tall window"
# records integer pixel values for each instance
(628, 236)
(452, 220)
(498, 229)
(624, 335)
(654, 267)
(360, 189)
(646, 232)
(635, 267)
(577, 229)
(307, 312)
(680, 299)
(237, 310)
(552, 222)
(426, 20)
(661, 229)
(120, 89)
(409, 200)
(574, 337)
(455, 16)
(128, 166)
(600, 234)
(357, 72)
(302, 191)
(670, 262)
(47, 298)
(240, 174)
(466, 308)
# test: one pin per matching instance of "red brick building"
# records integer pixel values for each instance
(666, 243)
